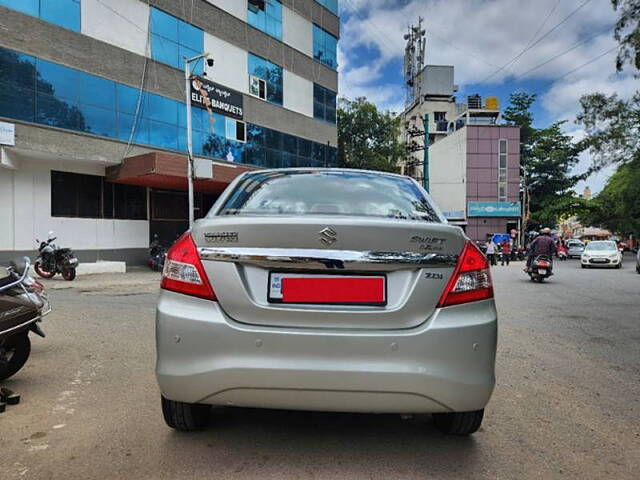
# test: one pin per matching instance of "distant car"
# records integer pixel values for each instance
(603, 253)
(575, 248)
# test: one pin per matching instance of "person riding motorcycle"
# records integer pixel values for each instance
(542, 245)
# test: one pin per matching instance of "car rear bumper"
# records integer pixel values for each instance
(606, 262)
(446, 364)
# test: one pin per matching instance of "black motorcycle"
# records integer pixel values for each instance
(541, 268)
(157, 255)
(52, 260)
(23, 303)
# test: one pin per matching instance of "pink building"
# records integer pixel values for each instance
(474, 176)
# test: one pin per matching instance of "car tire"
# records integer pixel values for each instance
(638, 269)
(458, 423)
(583, 266)
(186, 417)
(20, 348)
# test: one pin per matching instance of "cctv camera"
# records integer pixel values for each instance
(210, 62)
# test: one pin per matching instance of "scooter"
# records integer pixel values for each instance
(52, 260)
(23, 304)
(541, 268)
(562, 255)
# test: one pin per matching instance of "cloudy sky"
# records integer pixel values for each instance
(484, 40)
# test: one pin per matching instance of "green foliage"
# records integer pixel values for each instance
(617, 206)
(367, 138)
(547, 157)
(627, 33)
(612, 126)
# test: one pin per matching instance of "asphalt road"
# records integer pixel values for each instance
(567, 403)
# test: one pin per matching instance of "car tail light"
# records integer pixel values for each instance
(471, 279)
(183, 271)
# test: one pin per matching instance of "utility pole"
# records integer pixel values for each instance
(187, 90)
(425, 161)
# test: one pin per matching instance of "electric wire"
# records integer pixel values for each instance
(570, 49)
(526, 49)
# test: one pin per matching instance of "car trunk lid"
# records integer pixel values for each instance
(244, 255)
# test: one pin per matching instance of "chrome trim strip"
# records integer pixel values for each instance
(302, 258)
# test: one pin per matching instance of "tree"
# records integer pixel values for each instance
(367, 138)
(547, 157)
(617, 207)
(612, 126)
(627, 33)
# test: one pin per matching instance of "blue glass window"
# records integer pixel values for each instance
(43, 92)
(331, 5)
(173, 39)
(268, 20)
(325, 47)
(270, 73)
(324, 104)
(65, 13)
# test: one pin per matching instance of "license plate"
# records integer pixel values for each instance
(599, 260)
(327, 289)
(542, 271)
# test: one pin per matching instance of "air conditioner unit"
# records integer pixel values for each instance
(256, 5)
(257, 87)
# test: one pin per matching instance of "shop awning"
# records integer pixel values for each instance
(168, 171)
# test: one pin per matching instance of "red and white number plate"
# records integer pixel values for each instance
(328, 289)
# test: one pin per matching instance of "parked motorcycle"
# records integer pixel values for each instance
(521, 254)
(52, 260)
(157, 255)
(541, 268)
(23, 304)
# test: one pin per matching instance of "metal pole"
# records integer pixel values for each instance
(425, 162)
(187, 84)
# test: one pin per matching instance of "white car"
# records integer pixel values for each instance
(601, 254)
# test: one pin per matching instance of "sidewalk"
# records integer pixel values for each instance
(137, 280)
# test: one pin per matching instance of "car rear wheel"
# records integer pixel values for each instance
(458, 423)
(187, 417)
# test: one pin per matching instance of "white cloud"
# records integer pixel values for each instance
(477, 36)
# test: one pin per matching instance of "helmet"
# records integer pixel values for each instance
(546, 231)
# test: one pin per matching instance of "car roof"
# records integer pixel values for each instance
(327, 169)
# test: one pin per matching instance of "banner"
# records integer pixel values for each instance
(216, 98)
(493, 209)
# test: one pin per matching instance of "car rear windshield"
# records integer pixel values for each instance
(601, 246)
(359, 194)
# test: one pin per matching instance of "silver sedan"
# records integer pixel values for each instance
(329, 290)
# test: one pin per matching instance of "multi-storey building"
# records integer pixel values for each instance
(473, 161)
(93, 119)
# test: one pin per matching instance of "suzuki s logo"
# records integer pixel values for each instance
(328, 236)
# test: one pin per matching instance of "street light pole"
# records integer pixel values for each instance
(425, 161)
(187, 89)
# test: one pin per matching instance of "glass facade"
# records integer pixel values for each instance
(268, 20)
(325, 47)
(173, 40)
(65, 13)
(43, 92)
(331, 5)
(271, 74)
(324, 104)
